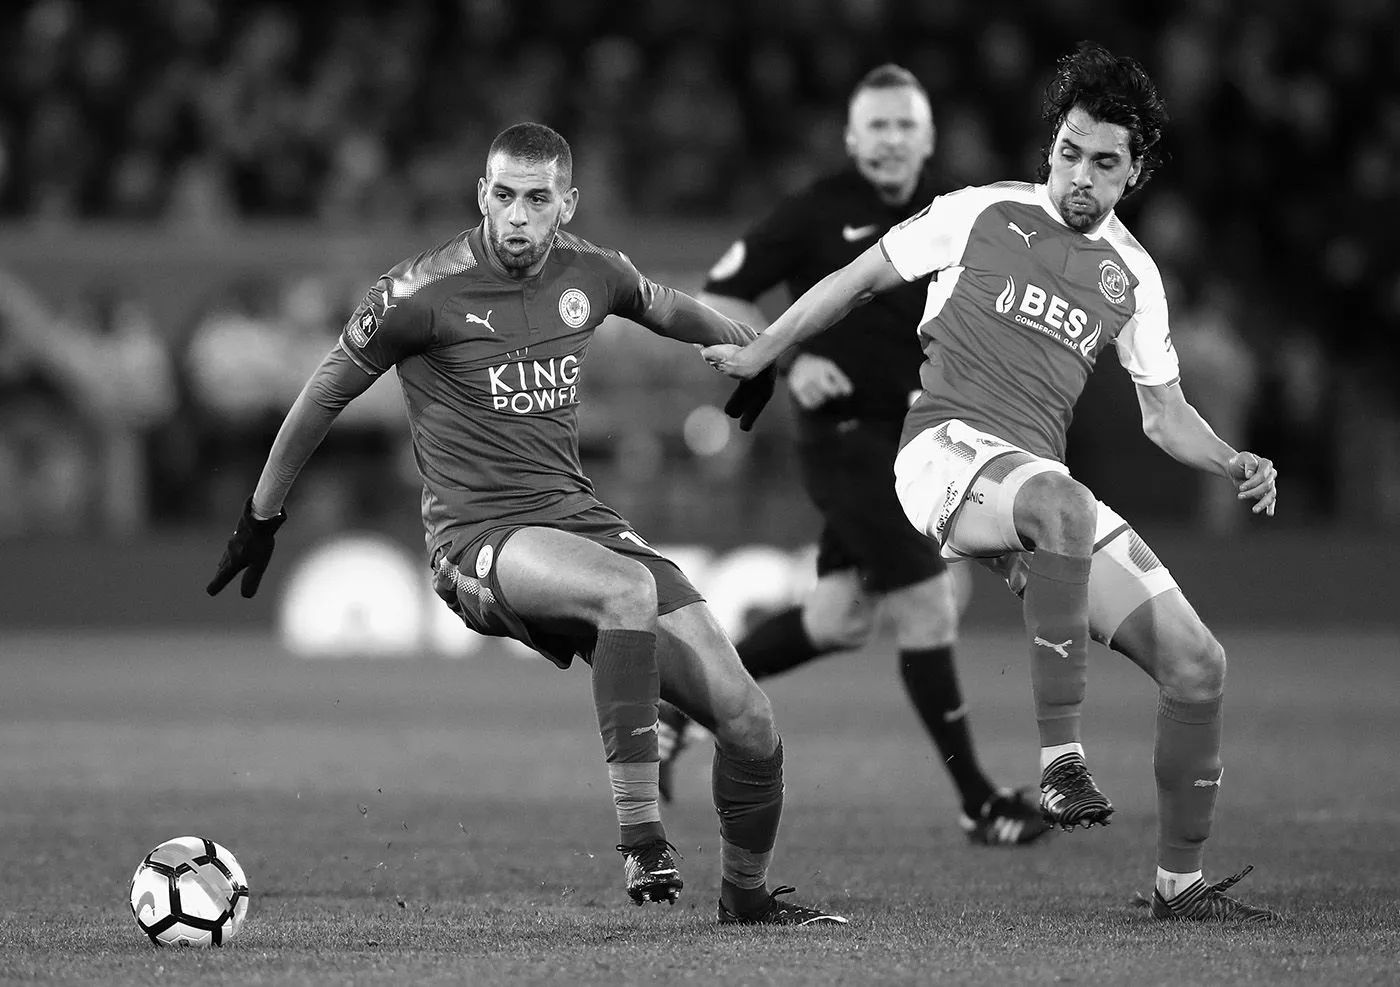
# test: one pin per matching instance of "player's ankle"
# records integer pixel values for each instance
(1172, 883)
(743, 901)
(1048, 755)
(636, 834)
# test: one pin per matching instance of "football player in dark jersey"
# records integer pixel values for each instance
(488, 334)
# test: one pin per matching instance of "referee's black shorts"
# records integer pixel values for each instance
(848, 472)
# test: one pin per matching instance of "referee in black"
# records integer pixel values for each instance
(852, 386)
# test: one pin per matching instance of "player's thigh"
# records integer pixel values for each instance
(958, 486)
(1167, 639)
(702, 675)
(551, 576)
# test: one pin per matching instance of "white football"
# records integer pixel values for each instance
(189, 891)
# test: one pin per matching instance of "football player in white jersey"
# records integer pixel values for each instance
(1034, 282)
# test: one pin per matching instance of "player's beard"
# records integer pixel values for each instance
(525, 259)
(1080, 212)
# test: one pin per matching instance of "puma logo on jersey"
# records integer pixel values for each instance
(1061, 649)
(853, 233)
(479, 320)
(1022, 233)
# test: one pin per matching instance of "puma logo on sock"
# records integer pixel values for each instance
(1061, 649)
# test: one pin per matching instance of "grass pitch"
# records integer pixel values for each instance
(435, 822)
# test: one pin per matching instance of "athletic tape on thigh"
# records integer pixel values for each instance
(1010, 486)
(1125, 574)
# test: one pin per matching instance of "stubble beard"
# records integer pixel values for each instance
(525, 259)
(1075, 218)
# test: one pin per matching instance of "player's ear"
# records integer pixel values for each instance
(1133, 172)
(481, 195)
(570, 203)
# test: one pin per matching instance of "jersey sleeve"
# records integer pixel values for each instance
(935, 236)
(630, 292)
(769, 253)
(386, 328)
(1144, 343)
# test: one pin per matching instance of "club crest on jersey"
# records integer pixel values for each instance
(483, 561)
(1113, 283)
(573, 308)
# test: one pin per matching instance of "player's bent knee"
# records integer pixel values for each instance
(842, 630)
(1056, 511)
(746, 726)
(1196, 667)
(925, 615)
(625, 596)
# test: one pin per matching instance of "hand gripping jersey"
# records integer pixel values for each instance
(807, 236)
(490, 369)
(1023, 308)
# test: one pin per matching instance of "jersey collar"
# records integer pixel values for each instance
(1042, 196)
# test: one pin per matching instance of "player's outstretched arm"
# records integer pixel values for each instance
(1171, 422)
(334, 384)
(819, 308)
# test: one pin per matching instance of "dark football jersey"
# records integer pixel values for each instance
(490, 370)
(1021, 310)
(807, 236)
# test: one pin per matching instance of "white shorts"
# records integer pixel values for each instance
(958, 486)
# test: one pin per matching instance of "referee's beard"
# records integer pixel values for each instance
(524, 259)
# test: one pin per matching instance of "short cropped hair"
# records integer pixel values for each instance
(889, 76)
(1111, 89)
(537, 144)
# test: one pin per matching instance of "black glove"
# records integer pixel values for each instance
(751, 397)
(249, 549)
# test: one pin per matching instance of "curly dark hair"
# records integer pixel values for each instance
(1113, 89)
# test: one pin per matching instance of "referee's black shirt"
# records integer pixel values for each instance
(807, 236)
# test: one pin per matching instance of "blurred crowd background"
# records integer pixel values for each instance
(195, 194)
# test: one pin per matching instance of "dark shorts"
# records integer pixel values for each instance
(848, 472)
(464, 576)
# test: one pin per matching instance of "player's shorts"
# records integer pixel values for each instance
(958, 485)
(847, 472)
(464, 576)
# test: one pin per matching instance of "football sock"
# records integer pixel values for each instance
(1057, 622)
(777, 644)
(1187, 764)
(1170, 884)
(626, 691)
(931, 680)
(1048, 755)
(748, 794)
